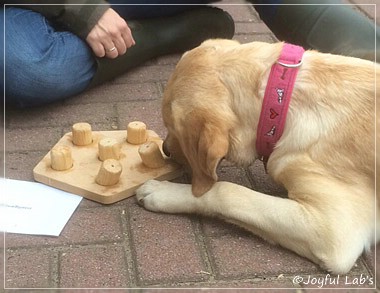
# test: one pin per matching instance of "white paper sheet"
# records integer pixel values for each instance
(34, 208)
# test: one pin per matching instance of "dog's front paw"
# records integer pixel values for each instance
(167, 197)
(145, 193)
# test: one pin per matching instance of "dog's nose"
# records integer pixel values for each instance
(165, 149)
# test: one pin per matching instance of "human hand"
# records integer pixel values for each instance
(111, 36)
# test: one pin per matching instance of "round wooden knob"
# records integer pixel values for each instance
(109, 172)
(82, 134)
(108, 148)
(136, 132)
(151, 155)
(60, 157)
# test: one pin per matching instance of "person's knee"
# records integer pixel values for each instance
(31, 86)
(42, 64)
(48, 75)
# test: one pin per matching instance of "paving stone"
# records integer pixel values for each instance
(166, 247)
(113, 93)
(148, 112)
(370, 7)
(103, 290)
(188, 288)
(265, 286)
(22, 240)
(168, 60)
(28, 268)
(372, 262)
(333, 290)
(243, 39)
(235, 175)
(2, 257)
(86, 203)
(109, 126)
(50, 116)
(370, 258)
(96, 225)
(34, 139)
(249, 28)
(251, 257)
(262, 182)
(240, 10)
(146, 73)
(215, 228)
(83, 290)
(20, 165)
(242, 286)
(94, 267)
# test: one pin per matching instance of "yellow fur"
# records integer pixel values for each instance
(325, 158)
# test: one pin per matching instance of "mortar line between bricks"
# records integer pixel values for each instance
(54, 266)
(362, 10)
(194, 285)
(248, 22)
(160, 87)
(69, 124)
(115, 121)
(365, 265)
(287, 276)
(59, 261)
(248, 34)
(132, 250)
(27, 152)
(136, 82)
(60, 128)
(65, 246)
(202, 246)
(134, 100)
(128, 247)
(149, 81)
(250, 178)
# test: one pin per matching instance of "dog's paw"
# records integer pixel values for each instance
(164, 196)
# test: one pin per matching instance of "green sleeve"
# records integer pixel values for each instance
(77, 18)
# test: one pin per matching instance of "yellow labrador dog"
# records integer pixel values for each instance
(325, 157)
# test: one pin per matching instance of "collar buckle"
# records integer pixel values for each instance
(290, 65)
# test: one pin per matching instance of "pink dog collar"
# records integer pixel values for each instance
(277, 98)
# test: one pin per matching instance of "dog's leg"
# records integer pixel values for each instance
(330, 236)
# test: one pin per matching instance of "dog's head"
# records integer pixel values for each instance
(211, 106)
(199, 144)
(198, 117)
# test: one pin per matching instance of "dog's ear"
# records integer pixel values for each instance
(204, 145)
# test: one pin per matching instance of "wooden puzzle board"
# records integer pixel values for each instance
(80, 179)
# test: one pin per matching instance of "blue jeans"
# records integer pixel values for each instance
(43, 64)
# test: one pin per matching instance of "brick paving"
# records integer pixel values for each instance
(124, 246)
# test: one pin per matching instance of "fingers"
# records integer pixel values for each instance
(118, 38)
(111, 36)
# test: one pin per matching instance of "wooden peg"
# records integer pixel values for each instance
(109, 172)
(136, 132)
(151, 155)
(82, 134)
(108, 148)
(60, 158)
